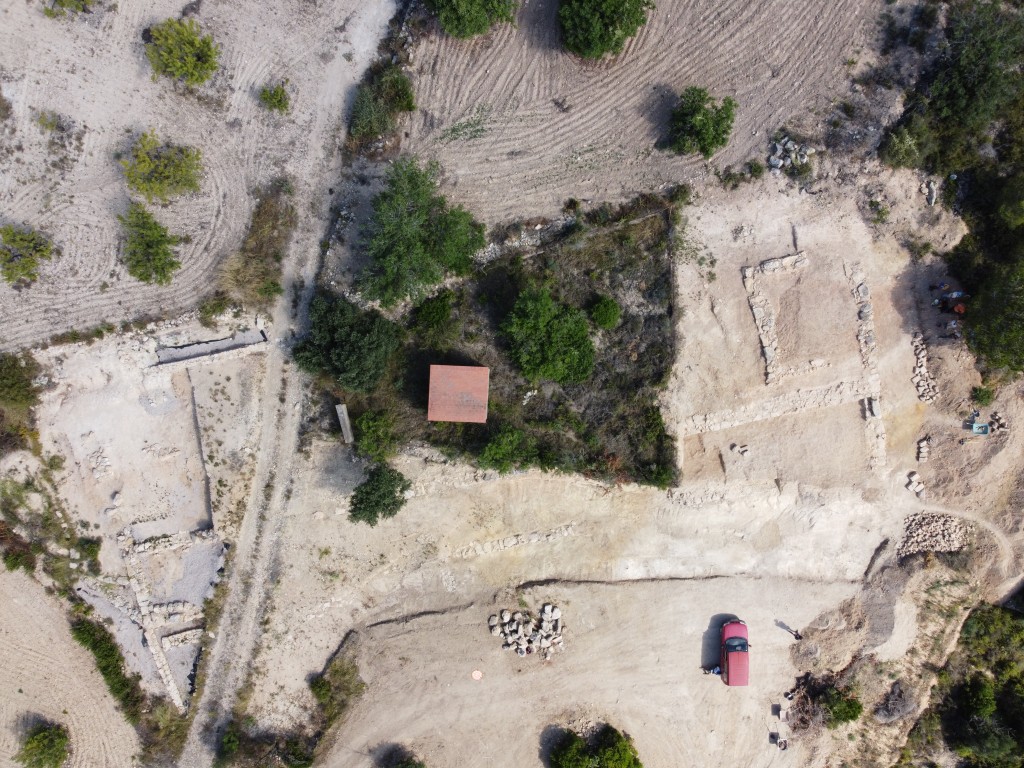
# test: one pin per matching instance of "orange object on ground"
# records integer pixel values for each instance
(458, 393)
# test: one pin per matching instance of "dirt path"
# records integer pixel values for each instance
(44, 673)
(257, 544)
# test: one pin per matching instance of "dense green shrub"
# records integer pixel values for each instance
(275, 97)
(45, 746)
(509, 449)
(415, 238)
(149, 247)
(982, 396)
(110, 663)
(611, 749)
(548, 340)
(381, 494)
(179, 50)
(466, 18)
(840, 707)
(354, 347)
(592, 28)
(21, 250)
(605, 312)
(385, 92)
(997, 318)
(699, 125)
(162, 171)
(1011, 202)
(375, 435)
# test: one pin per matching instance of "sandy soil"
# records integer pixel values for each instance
(92, 71)
(46, 674)
(554, 127)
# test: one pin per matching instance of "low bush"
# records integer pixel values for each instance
(336, 688)
(466, 18)
(212, 307)
(178, 50)
(610, 749)
(509, 449)
(699, 125)
(549, 340)
(124, 688)
(385, 92)
(275, 97)
(592, 28)
(380, 495)
(45, 746)
(149, 247)
(353, 347)
(375, 435)
(840, 707)
(21, 251)
(60, 8)
(605, 312)
(983, 396)
(18, 394)
(252, 275)
(162, 171)
(432, 322)
(414, 237)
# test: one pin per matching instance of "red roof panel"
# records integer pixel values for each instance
(458, 393)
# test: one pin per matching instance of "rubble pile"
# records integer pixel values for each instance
(786, 153)
(915, 485)
(526, 635)
(924, 446)
(926, 390)
(930, 532)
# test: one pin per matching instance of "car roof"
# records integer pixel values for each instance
(738, 668)
(734, 628)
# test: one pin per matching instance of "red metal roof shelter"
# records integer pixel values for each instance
(458, 393)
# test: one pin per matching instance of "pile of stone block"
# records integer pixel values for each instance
(929, 532)
(926, 390)
(786, 153)
(526, 635)
(924, 446)
(997, 423)
(915, 485)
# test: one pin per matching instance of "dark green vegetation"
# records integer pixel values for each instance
(17, 396)
(381, 494)
(602, 420)
(275, 97)
(385, 92)
(354, 348)
(840, 707)
(59, 8)
(21, 250)
(983, 396)
(162, 171)
(699, 125)
(337, 688)
(978, 709)
(592, 28)
(148, 246)
(609, 749)
(179, 51)
(414, 237)
(252, 275)
(548, 340)
(605, 312)
(966, 118)
(45, 746)
(124, 688)
(466, 18)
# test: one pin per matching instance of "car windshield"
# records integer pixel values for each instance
(735, 644)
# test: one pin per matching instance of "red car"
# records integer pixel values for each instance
(735, 661)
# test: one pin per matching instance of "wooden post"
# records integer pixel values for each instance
(346, 426)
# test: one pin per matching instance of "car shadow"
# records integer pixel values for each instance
(711, 640)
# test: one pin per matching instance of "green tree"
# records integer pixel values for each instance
(592, 28)
(381, 494)
(45, 746)
(606, 312)
(149, 247)
(1011, 202)
(162, 171)
(509, 449)
(466, 18)
(611, 749)
(415, 238)
(179, 50)
(979, 697)
(549, 340)
(352, 346)
(698, 125)
(384, 93)
(21, 250)
(275, 97)
(996, 322)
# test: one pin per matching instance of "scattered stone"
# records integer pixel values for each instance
(933, 532)
(526, 634)
(923, 382)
